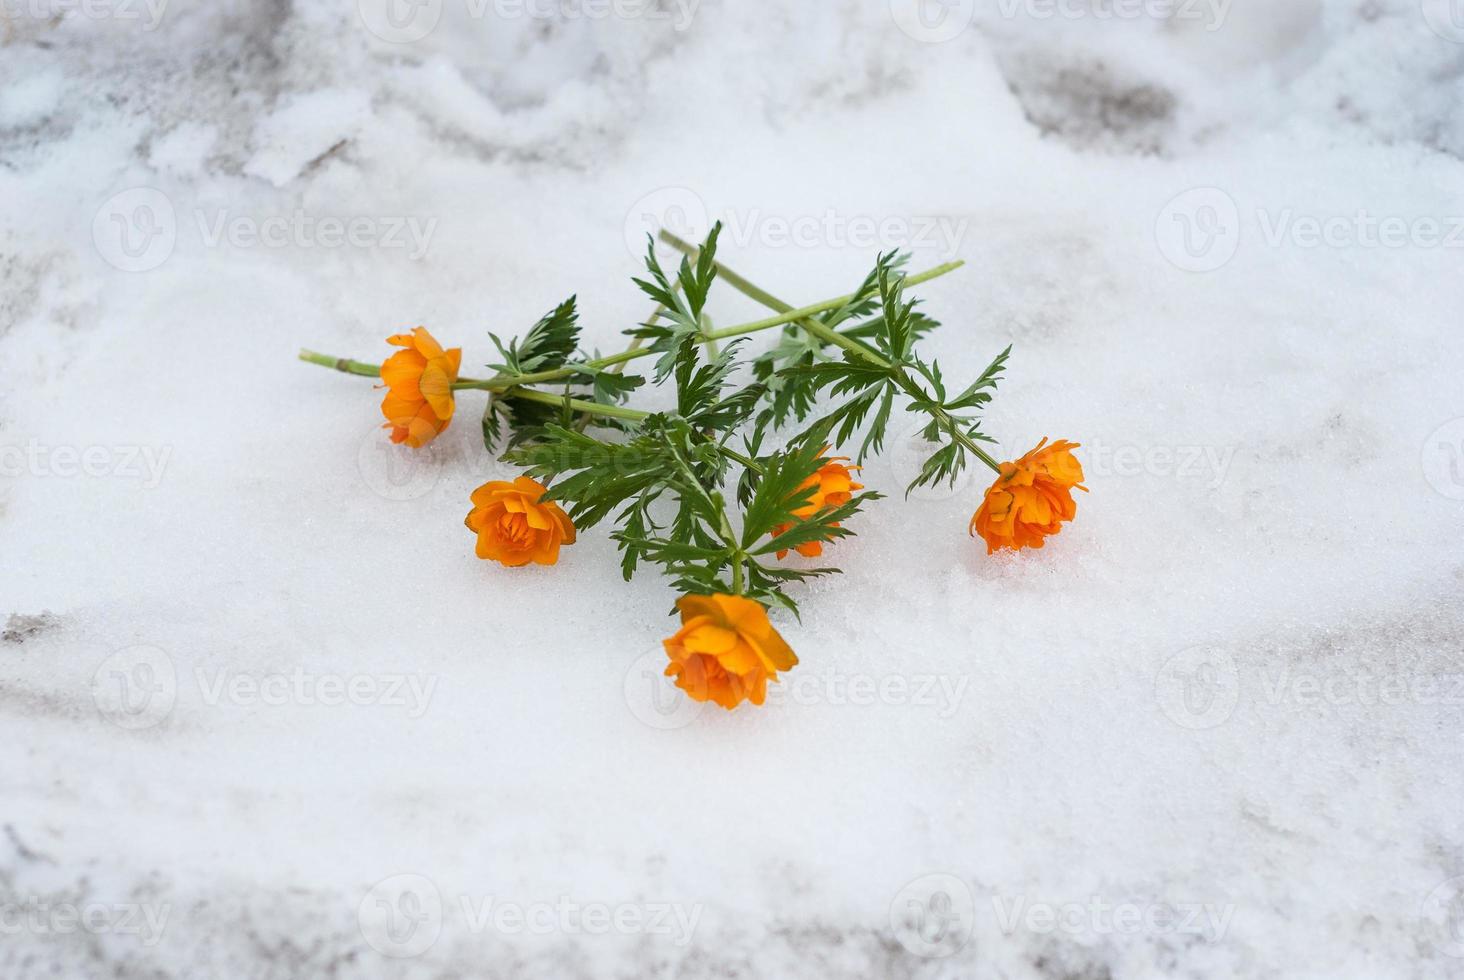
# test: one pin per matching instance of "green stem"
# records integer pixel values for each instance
(341, 364)
(827, 334)
(747, 461)
(579, 405)
(730, 538)
(785, 316)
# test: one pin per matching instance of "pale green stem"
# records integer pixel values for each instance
(827, 334)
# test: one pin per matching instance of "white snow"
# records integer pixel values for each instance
(1212, 730)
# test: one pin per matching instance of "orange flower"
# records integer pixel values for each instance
(833, 487)
(726, 650)
(1031, 498)
(418, 404)
(514, 527)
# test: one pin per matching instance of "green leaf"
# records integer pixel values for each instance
(546, 347)
(822, 526)
(781, 491)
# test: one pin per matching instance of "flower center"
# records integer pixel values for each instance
(515, 532)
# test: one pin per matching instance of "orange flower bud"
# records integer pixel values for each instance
(514, 527)
(419, 403)
(1031, 498)
(833, 487)
(726, 650)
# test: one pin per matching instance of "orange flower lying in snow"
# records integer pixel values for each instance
(419, 404)
(514, 527)
(833, 488)
(1031, 498)
(726, 650)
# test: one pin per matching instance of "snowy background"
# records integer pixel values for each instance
(263, 715)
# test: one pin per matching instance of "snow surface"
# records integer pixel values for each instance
(1213, 730)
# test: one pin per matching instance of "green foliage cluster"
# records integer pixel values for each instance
(702, 490)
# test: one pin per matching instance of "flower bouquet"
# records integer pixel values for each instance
(719, 491)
